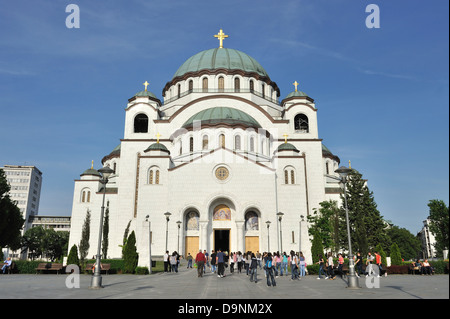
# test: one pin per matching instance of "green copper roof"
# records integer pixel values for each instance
(222, 115)
(221, 58)
(91, 171)
(296, 94)
(145, 93)
(157, 146)
(287, 147)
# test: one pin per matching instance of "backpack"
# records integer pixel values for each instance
(269, 263)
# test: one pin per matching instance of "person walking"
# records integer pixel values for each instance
(330, 264)
(284, 264)
(321, 263)
(302, 265)
(359, 264)
(174, 262)
(269, 270)
(213, 262)
(253, 268)
(189, 260)
(220, 260)
(294, 265)
(239, 261)
(232, 261)
(200, 261)
(166, 261)
(340, 265)
(369, 265)
(379, 264)
(279, 269)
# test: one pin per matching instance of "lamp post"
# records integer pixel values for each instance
(147, 219)
(167, 226)
(352, 279)
(280, 216)
(302, 219)
(96, 280)
(179, 226)
(268, 239)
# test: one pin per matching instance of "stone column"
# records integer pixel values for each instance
(203, 235)
(240, 235)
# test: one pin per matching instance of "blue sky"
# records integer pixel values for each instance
(382, 94)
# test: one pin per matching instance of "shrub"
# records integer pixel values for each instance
(141, 271)
(130, 256)
(72, 259)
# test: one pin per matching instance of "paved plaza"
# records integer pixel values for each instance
(186, 285)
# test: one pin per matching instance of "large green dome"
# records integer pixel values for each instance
(221, 58)
(222, 115)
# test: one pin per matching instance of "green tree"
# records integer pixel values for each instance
(72, 259)
(396, 257)
(125, 238)
(54, 243)
(316, 247)
(105, 240)
(439, 225)
(323, 222)
(32, 241)
(366, 223)
(130, 257)
(11, 220)
(408, 244)
(85, 234)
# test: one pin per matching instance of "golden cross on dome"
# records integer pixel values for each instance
(92, 164)
(146, 84)
(221, 36)
(349, 164)
(285, 137)
(296, 84)
(157, 138)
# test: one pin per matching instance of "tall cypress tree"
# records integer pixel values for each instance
(85, 234)
(367, 227)
(105, 241)
(130, 255)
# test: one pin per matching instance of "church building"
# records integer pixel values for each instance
(219, 163)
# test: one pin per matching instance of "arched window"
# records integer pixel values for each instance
(286, 176)
(205, 142)
(237, 85)
(86, 196)
(252, 86)
(289, 175)
(141, 123)
(192, 219)
(191, 144)
(327, 168)
(83, 196)
(292, 177)
(301, 123)
(237, 142)
(153, 175)
(181, 147)
(263, 89)
(251, 221)
(252, 144)
(221, 84)
(222, 140)
(179, 91)
(205, 84)
(191, 86)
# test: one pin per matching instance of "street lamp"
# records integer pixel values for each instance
(179, 226)
(167, 226)
(280, 216)
(302, 219)
(147, 219)
(268, 240)
(96, 280)
(352, 279)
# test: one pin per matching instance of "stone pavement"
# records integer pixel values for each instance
(185, 285)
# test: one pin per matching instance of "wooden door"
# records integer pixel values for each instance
(252, 243)
(192, 246)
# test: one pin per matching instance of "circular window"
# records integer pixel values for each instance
(222, 173)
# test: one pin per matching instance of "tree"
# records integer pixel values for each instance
(323, 223)
(11, 220)
(366, 224)
(408, 244)
(45, 242)
(32, 241)
(125, 238)
(72, 259)
(396, 257)
(316, 247)
(85, 234)
(105, 241)
(130, 256)
(439, 225)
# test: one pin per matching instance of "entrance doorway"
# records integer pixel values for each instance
(222, 239)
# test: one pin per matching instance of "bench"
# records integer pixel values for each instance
(104, 267)
(413, 269)
(49, 266)
(10, 269)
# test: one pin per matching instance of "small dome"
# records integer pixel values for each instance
(91, 171)
(296, 94)
(157, 147)
(287, 147)
(221, 58)
(222, 115)
(145, 93)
